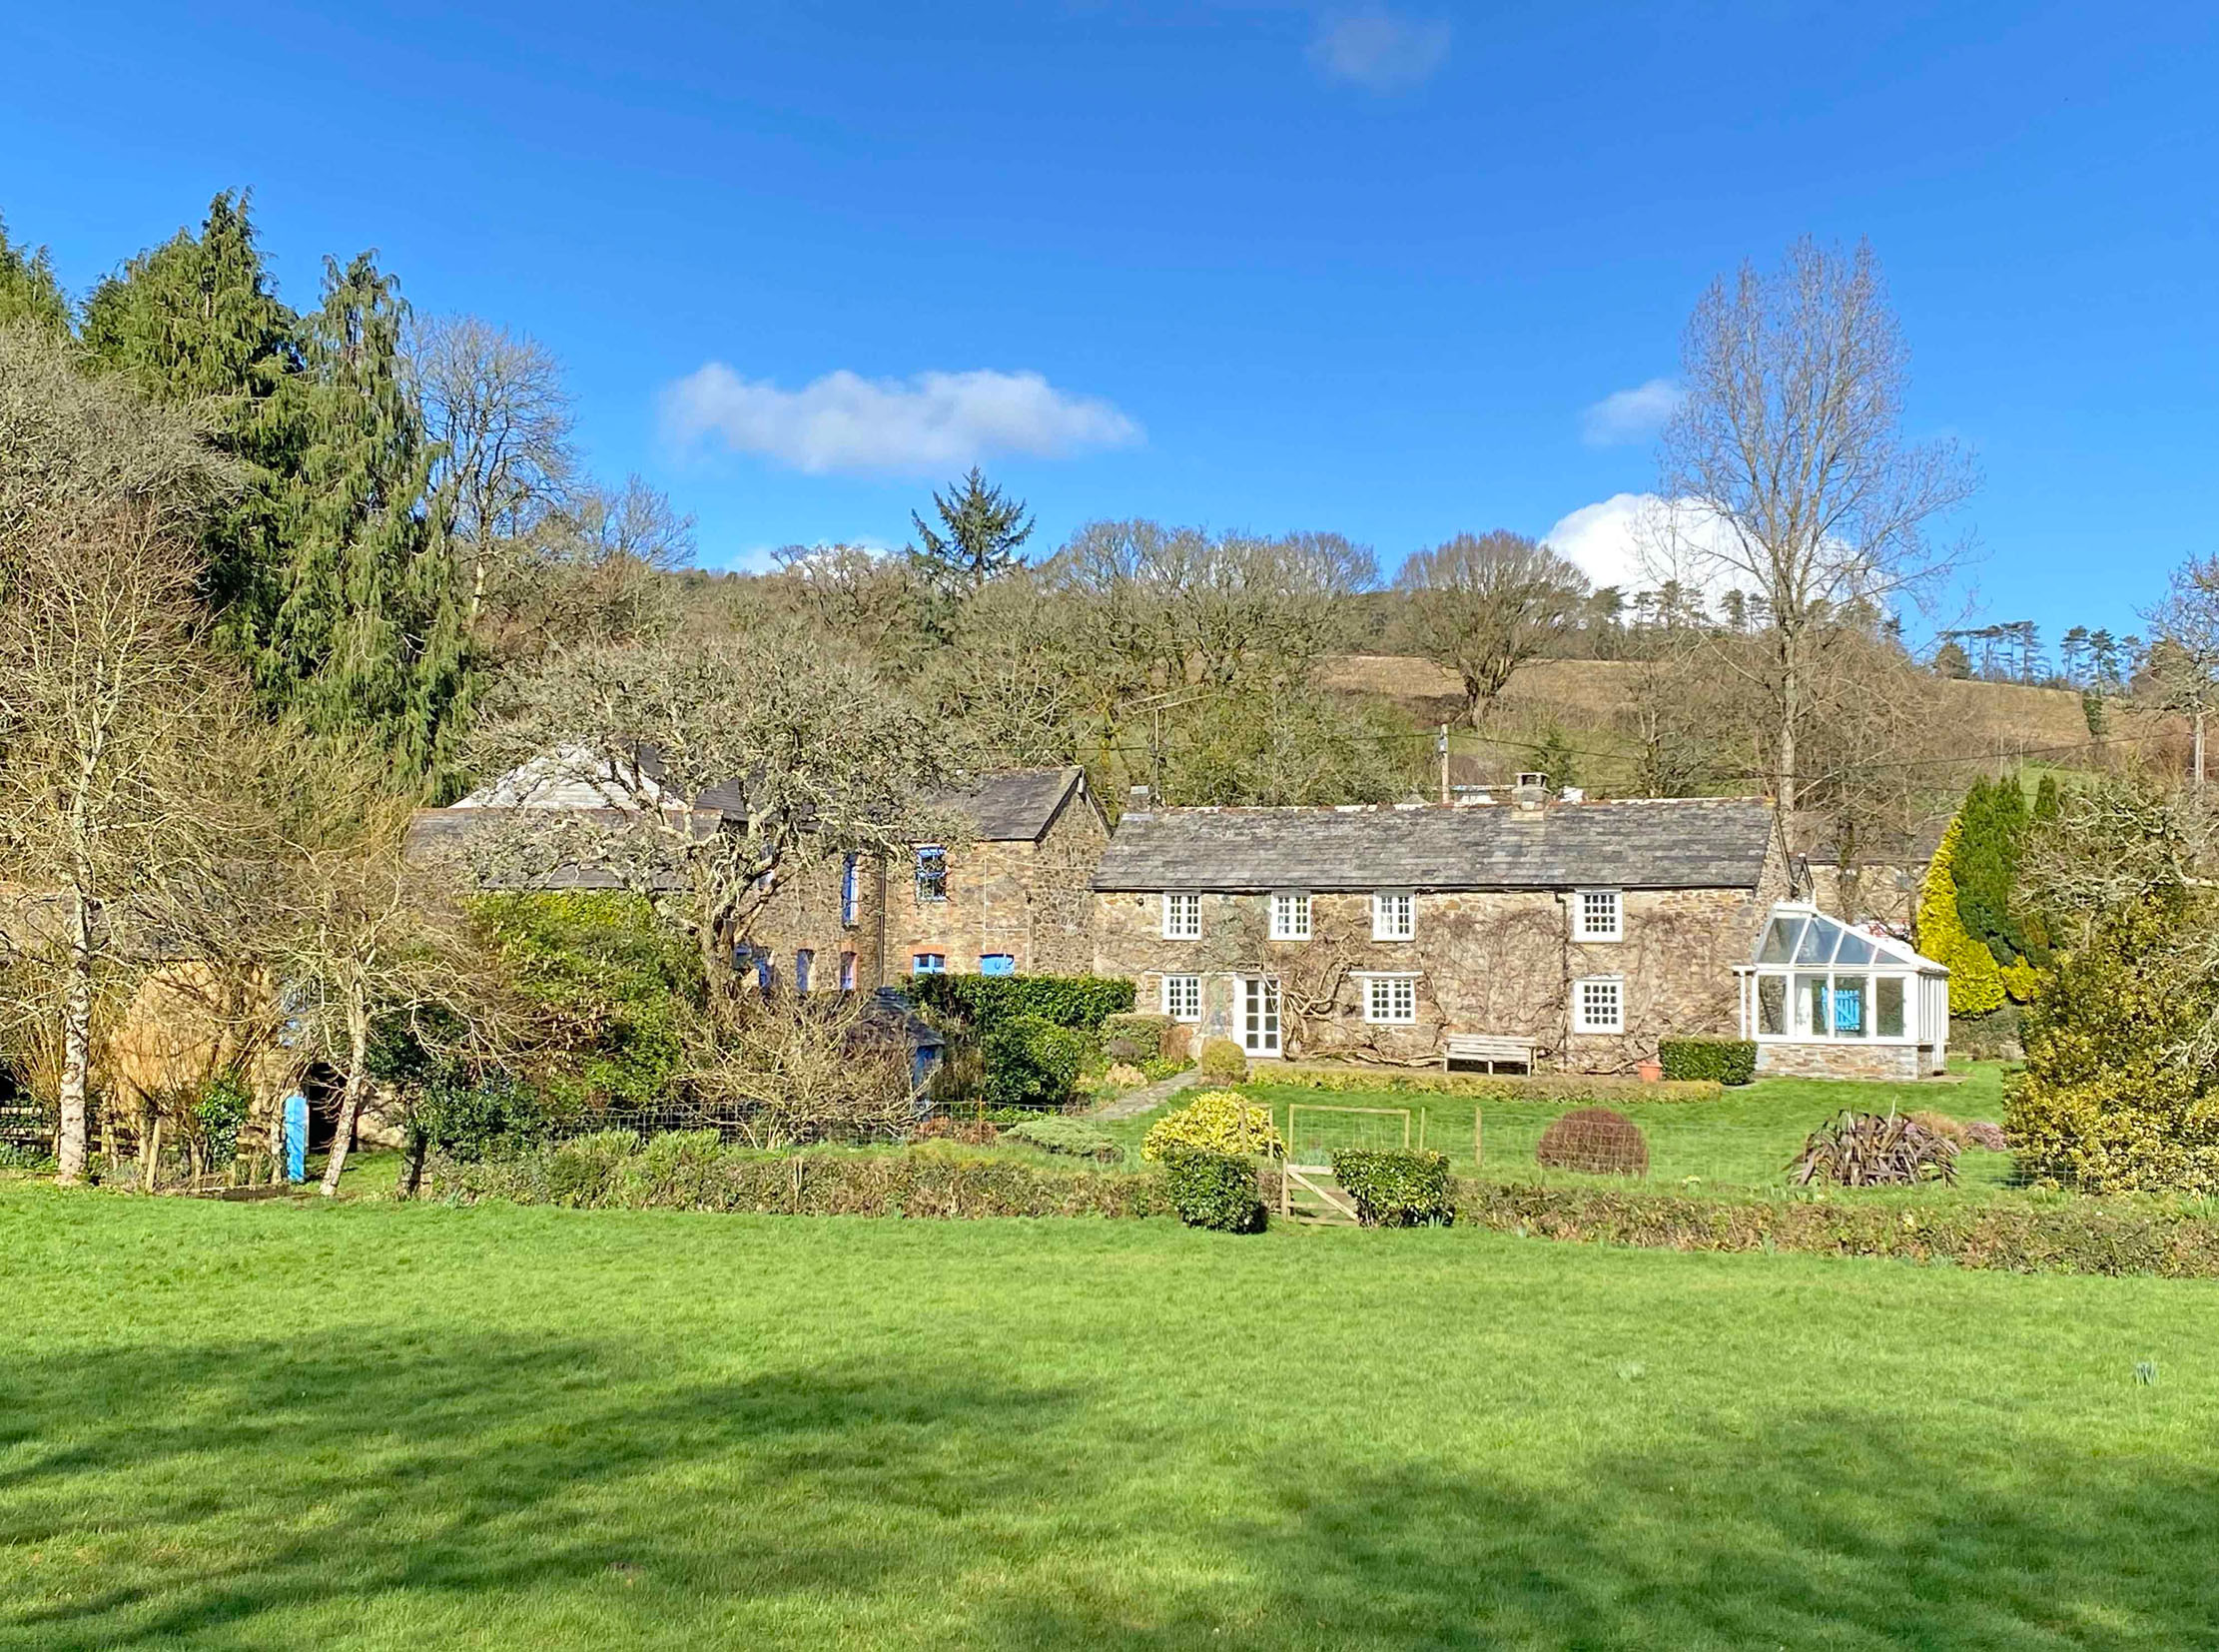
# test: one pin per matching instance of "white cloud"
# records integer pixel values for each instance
(1628, 416)
(934, 422)
(1379, 51)
(1638, 540)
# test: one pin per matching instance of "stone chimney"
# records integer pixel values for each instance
(1139, 800)
(1531, 792)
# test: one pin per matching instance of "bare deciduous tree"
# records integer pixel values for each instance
(494, 400)
(2184, 647)
(1484, 605)
(719, 765)
(1785, 471)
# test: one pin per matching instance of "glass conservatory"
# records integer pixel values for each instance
(1838, 999)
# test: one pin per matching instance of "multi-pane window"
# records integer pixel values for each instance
(1597, 914)
(932, 872)
(1182, 997)
(848, 889)
(1182, 917)
(1394, 915)
(1599, 1004)
(1392, 999)
(928, 963)
(1290, 916)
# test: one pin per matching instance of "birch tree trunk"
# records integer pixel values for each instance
(77, 1045)
(357, 1083)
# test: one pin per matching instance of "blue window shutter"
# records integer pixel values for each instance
(998, 962)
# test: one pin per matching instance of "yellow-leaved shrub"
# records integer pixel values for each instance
(1217, 1121)
(1975, 984)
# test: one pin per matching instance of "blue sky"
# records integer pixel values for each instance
(1262, 266)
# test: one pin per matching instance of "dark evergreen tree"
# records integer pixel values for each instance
(984, 534)
(364, 631)
(194, 323)
(28, 289)
(1993, 839)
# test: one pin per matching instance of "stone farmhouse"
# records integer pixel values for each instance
(1584, 932)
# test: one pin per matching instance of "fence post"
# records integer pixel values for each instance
(1477, 1159)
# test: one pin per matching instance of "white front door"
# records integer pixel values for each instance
(1259, 1014)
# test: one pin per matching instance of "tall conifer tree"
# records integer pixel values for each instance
(193, 322)
(28, 289)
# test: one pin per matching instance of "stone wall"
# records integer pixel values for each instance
(1485, 962)
(1843, 1058)
(1888, 894)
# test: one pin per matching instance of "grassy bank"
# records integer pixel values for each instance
(383, 1427)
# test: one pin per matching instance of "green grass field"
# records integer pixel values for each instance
(381, 1425)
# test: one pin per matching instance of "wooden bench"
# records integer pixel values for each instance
(1492, 1049)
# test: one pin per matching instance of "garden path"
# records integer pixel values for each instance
(1134, 1102)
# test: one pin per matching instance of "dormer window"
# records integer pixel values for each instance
(1394, 915)
(1290, 915)
(1182, 917)
(1597, 914)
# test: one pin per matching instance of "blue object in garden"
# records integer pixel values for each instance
(1849, 1009)
(296, 1137)
(998, 962)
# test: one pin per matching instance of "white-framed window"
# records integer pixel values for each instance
(1394, 915)
(1290, 915)
(1182, 997)
(1597, 914)
(1598, 1004)
(1391, 1000)
(1182, 917)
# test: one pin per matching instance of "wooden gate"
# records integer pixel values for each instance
(1308, 1188)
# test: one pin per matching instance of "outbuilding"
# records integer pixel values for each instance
(1831, 1000)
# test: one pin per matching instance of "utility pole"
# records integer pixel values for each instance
(1440, 744)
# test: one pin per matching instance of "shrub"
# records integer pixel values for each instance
(1396, 1189)
(1726, 1060)
(1216, 1190)
(1596, 1141)
(465, 1116)
(1871, 1149)
(1124, 1076)
(1975, 985)
(1224, 1061)
(1987, 1136)
(1032, 1062)
(1135, 1038)
(583, 1171)
(817, 1067)
(1178, 1044)
(1942, 1125)
(1217, 1120)
(1072, 1135)
(982, 1002)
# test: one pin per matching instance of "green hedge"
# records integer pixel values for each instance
(1540, 1087)
(690, 1170)
(1217, 1191)
(982, 1002)
(2069, 1237)
(1058, 1133)
(1135, 1038)
(1729, 1061)
(1396, 1189)
(1028, 1061)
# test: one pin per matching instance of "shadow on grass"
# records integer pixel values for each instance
(224, 1494)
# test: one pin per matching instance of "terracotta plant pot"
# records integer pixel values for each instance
(1650, 1071)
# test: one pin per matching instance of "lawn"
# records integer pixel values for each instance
(381, 1425)
(1742, 1139)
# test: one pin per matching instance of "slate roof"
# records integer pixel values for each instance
(1665, 843)
(1016, 805)
(450, 835)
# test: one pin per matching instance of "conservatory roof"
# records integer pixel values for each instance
(1803, 935)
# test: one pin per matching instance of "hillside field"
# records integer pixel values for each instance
(379, 1425)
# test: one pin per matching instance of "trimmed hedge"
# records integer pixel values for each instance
(1217, 1191)
(983, 1002)
(1540, 1087)
(689, 1171)
(1729, 1061)
(1028, 1061)
(1396, 1189)
(1058, 1133)
(2076, 1236)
